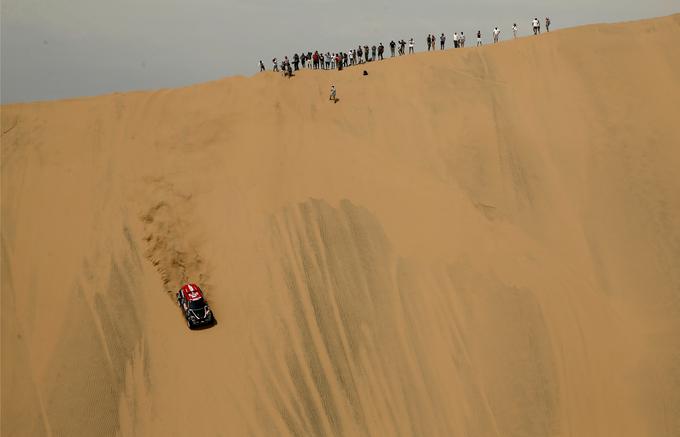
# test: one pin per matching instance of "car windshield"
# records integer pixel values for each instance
(197, 304)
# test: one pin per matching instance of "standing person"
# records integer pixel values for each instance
(455, 40)
(496, 32)
(262, 65)
(514, 30)
(374, 51)
(381, 51)
(547, 24)
(333, 96)
(461, 40)
(276, 65)
(442, 41)
(296, 61)
(534, 25)
(366, 53)
(479, 38)
(411, 44)
(360, 55)
(402, 47)
(392, 47)
(429, 42)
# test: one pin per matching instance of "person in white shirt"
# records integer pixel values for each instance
(536, 26)
(461, 40)
(333, 94)
(411, 43)
(455, 40)
(496, 32)
(514, 30)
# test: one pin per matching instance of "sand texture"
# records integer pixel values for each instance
(479, 242)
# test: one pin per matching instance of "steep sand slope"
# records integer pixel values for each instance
(480, 242)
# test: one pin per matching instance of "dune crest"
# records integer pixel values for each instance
(477, 242)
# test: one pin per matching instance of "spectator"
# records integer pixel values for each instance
(496, 32)
(547, 24)
(479, 38)
(514, 30)
(393, 45)
(442, 41)
(261, 65)
(455, 40)
(411, 44)
(461, 40)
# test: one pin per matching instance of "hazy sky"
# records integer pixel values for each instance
(66, 48)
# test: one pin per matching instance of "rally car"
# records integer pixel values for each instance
(193, 305)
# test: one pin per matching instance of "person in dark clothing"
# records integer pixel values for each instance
(547, 24)
(366, 53)
(429, 42)
(360, 55)
(261, 65)
(393, 45)
(374, 51)
(381, 50)
(296, 62)
(442, 41)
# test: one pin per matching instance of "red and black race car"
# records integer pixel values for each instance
(193, 305)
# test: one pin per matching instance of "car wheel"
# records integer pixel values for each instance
(189, 325)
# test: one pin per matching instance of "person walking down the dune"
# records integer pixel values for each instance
(536, 25)
(442, 42)
(514, 30)
(547, 24)
(496, 32)
(461, 40)
(411, 44)
(261, 65)
(333, 96)
(479, 38)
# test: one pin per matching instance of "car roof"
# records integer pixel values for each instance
(192, 292)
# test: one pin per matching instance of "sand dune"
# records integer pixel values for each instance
(480, 242)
